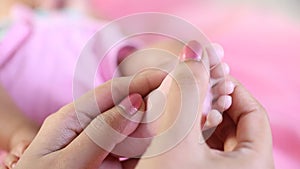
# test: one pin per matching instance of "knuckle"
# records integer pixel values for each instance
(114, 119)
(66, 112)
(49, 119)
(110, 117)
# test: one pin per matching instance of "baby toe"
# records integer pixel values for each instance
(215, 53)
(220, 70)
(222, 103)
(213, 119)
(224, 87)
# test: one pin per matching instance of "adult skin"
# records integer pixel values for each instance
(58, 141)
(242, 140)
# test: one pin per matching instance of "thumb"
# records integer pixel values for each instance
(106, 131)
(251, 119)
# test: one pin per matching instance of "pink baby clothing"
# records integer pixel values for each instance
(40, 52)
(39, 55)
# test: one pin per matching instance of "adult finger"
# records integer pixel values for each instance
(105, 96)
(223, 137)
(73, 118)
(105, 131)
(253, 128)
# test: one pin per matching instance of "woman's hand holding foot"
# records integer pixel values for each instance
(82, 137)
(242, 140)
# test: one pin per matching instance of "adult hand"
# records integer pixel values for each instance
(242, 140)
(69, 138)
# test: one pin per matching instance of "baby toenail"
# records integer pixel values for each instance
(191, 51)
(230, 87)
(219, 50)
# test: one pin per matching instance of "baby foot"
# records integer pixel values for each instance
(213, 106)
(185, 90)
(15, 154)
(218, 98)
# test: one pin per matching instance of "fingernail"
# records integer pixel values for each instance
(125, 52)
(192, 50)
(131, 104)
